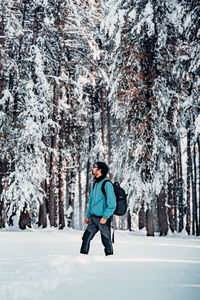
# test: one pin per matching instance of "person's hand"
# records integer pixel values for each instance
(103, 220)
(86, 220)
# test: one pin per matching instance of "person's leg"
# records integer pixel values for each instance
(105, 230)
(88, 235)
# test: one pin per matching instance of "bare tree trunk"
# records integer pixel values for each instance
(35, 25)
(142, 217)
(80, 194)
(43, 210)
(3, 173)
(180, 187)
(3, 218)
(92, 121)
(67, 197)
(35, 36)
(103, 124)
(149, 222)
(189, 165)
(88, 172)
(91, 143)
(129, 220)
(61, 173)
(3, 56)
(109, 135)
(52, 199)
(2, 213)
(122, 223)
(25, 218)
(175, 194)
(171, 208)
(61, 194)
(195, 226)
(3, 167)
(198, 142)
(43, 207)
(71, 198)
(162, 213)
(87, 190)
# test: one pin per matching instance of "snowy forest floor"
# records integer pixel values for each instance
(46, 264)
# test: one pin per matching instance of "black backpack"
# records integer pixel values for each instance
(120, 197)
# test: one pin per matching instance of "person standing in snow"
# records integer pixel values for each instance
(100, 210)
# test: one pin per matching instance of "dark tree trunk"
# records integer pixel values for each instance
(61, 194)
(109, 135)
(103, 124)
(180, 187)
(149, 222)
(91, 142)
(25, 218)
(67, 195)
(3, 217)
(92, 120)
(162, 213)
(2, 213)
(80, 193)
(142, 217)
(3, 173)
(195, 226)
(171, 208)
(35, 25)
(35, 36)
(71, 198)
(129, 220)
(175, 185)
(189, 166)
(88, 172)
(198, 141)
(43, 207)
(61, 173)
(3, 59)
(52, 198)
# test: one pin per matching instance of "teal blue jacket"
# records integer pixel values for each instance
(98, 204)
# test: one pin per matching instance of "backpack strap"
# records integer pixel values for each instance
(103, 187)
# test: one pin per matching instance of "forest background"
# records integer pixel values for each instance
(82, 81)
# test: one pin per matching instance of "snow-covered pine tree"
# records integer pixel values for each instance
(111, 80)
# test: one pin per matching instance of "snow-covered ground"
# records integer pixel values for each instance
(46, 265)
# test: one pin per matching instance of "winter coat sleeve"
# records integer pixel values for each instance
(110, 200)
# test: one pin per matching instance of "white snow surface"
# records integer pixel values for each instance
(46, 264)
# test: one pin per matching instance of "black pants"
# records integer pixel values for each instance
(93, 227)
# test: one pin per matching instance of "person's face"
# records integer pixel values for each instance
(95, 171)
